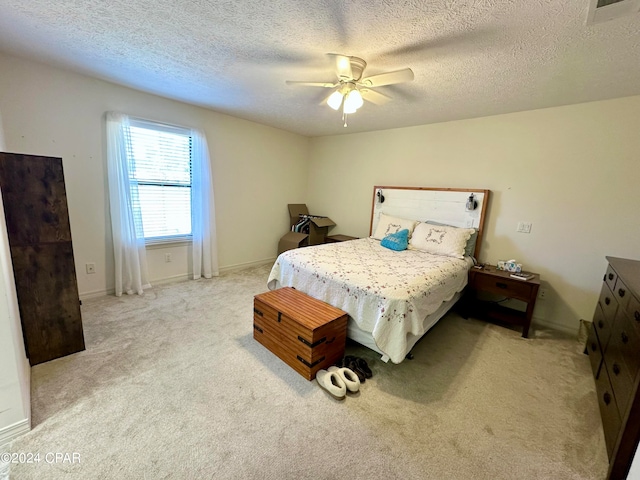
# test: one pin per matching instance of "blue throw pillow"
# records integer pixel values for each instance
(396, 241)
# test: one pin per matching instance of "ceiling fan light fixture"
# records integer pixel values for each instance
(350, 90)
(352, 101)
(335, 100)
(348, 109)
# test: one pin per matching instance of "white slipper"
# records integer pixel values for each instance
(348, 376)
(332, 383)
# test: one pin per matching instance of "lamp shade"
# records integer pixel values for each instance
(335, 100)
(353, 101)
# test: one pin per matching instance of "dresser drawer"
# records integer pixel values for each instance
(622, 294)
(608, 303)
(610, 277)
(603, 326)
(608, 410)
(629, 341)
(633, 309)
(623, 359)
(595, 354)
(518, 289)
(621, 382)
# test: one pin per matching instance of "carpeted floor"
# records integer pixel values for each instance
(172, 385)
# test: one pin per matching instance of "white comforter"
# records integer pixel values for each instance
(387, 293)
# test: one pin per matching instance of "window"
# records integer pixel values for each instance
(160, 178)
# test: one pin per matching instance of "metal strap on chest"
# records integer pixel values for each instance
(314, 344)
(310, 365)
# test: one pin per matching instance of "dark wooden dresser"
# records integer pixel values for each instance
(614, 351)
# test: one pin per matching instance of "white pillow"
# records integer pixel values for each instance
(441, 239)
(388, 225)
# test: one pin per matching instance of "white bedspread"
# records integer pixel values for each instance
(387, 293)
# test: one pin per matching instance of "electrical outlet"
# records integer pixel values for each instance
(542, 294)
(167, 258)
(524, 227)
(91, 268)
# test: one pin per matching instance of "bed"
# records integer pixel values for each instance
(394, 297)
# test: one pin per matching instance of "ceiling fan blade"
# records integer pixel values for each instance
(342, 66)
(389, 78)
(374, 97)
(311, 84)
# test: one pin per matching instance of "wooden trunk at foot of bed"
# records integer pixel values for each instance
(305, 333)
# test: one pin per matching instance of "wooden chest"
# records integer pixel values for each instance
(307, 334)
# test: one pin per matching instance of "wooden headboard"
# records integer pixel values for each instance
(445, 205)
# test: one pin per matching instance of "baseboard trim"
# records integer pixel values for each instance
(10, 433)
(541, 322)
(172, 279)
(181, 277)
(242, 266)
(96, 293)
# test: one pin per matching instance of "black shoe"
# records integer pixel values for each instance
(363, 367)
(353, 366)
(344, 362)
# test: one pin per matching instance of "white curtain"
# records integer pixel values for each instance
(203, 226)
(126, 222)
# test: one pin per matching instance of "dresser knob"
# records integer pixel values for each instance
(621, 292)
(616, 369)
(624, 337)
(607, 300)
(637, 315)
(594, 347)
(600, 324)
(611, 276)
(607, 398)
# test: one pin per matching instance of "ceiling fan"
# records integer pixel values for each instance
(350, 90)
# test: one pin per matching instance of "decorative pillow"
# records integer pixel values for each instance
(388, 224)
(396, 241)
(470, 249)
(441, 239)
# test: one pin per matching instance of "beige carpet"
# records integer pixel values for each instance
(172, 385)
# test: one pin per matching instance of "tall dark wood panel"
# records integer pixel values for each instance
(35, 208)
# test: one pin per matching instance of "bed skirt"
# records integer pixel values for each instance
(366, 339)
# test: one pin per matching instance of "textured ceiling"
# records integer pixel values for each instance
(471, 58)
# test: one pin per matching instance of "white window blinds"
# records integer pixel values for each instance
(160, 176)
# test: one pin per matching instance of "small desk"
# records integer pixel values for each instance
(499, 282)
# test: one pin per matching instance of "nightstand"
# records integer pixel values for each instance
(500, 283)
(338, 238)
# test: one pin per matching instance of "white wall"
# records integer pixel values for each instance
(15, 375)
(257, 169)
(569, 170)
(572, 171)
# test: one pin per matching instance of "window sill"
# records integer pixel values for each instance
(154, 243)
